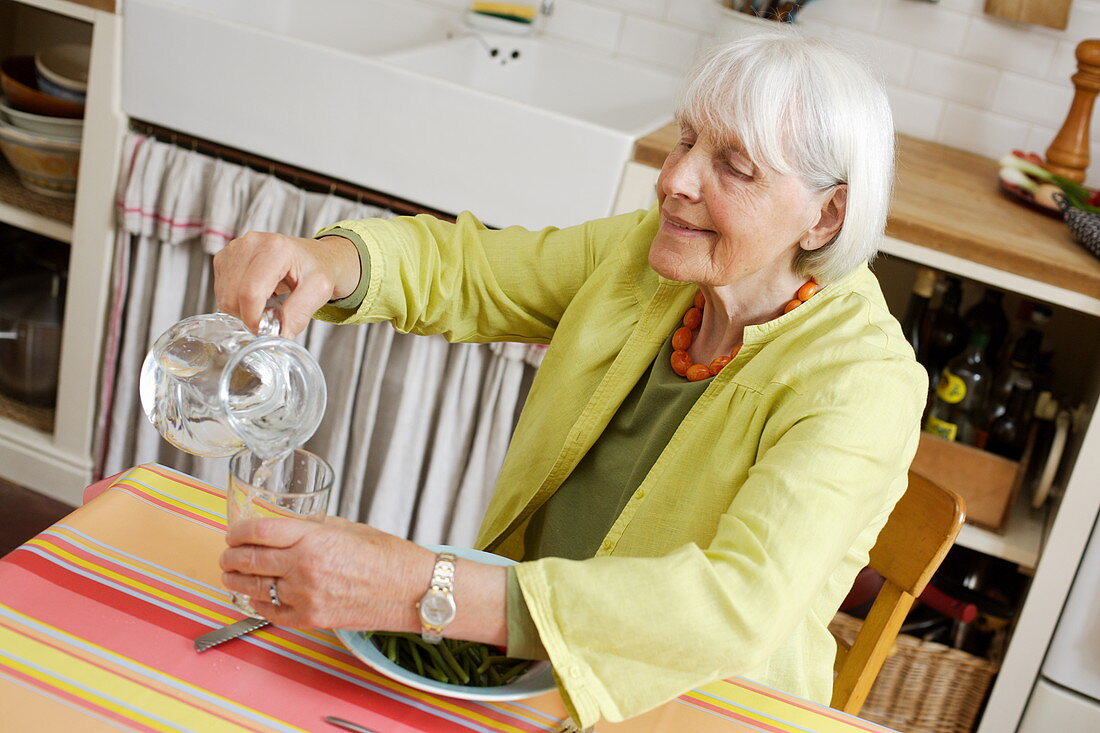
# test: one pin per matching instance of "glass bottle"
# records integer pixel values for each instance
(1019, 373)
(917, 309)
(1008, 430)
(947, 331)
(960, 393)
(988, 315)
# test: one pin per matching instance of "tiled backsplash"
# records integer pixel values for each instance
(954, 74)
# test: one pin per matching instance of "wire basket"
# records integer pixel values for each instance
(924, 686)
(1085, 225)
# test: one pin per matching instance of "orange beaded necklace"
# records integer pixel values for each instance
(685, 334)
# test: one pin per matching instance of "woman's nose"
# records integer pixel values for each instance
(681, 177)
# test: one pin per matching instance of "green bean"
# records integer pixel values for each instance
(437, 675)
(514, 671)
(462, 646)
(453, 663)
(416, 659)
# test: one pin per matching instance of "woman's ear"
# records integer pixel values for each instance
(830, 219)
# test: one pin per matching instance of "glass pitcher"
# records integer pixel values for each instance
(210, 387)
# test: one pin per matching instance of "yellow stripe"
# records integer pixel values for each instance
(131, 582)
(207, 505)
(176, 489)
(103, 682)
(183, 686)
(432, 700)
(132, 561)
(768, 710)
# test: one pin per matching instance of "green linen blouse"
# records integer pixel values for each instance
(736, 549)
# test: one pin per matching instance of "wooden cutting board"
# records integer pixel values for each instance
(1051, 13)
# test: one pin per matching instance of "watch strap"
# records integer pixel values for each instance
(443, 574)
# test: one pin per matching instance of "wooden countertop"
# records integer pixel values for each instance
(948, 200)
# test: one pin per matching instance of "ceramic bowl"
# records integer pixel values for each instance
(62, 71)
(17, 78)
(539, 679)
(59, 127)
(45, 164)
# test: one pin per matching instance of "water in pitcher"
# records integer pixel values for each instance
(211, 387)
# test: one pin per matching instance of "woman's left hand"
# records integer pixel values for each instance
(335, 574)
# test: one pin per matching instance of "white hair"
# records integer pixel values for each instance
(802, 106)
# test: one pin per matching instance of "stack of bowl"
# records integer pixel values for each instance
(41, 116)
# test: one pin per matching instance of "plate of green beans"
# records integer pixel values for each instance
(463, 669)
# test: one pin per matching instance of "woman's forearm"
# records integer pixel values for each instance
(480, 595)
(343, 259)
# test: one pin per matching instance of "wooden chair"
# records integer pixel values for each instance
(916, 538)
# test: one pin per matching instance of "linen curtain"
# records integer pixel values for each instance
(415, 428)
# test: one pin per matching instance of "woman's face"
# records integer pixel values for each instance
(723, 220)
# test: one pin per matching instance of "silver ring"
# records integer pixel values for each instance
(273, 593)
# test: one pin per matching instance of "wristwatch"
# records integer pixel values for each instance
(437, 606)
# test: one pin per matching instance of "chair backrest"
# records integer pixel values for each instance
(916, 538)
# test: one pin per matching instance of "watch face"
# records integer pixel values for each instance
(436, 608)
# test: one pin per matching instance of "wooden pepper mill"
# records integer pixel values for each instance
(1068, 154)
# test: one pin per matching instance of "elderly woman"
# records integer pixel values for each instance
(722, 423)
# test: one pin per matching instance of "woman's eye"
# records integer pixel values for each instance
(736, 171)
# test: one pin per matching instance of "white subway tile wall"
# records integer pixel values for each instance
(954, 74)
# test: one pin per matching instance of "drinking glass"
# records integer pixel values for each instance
(297, 485)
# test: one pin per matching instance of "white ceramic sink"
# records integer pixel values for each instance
(376, 92)
(569, 82)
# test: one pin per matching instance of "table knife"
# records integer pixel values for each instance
(225, 633)
(347, 724)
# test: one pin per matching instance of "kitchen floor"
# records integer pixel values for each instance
(25, 513)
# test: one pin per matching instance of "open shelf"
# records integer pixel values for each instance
(21, 207)
(37, 418)
(1019, 542)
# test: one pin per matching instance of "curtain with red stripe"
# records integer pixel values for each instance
(415, 428)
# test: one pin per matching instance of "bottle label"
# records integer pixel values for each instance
(942, 428)
(951, 389)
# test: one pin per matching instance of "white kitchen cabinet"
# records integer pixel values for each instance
(59, 462)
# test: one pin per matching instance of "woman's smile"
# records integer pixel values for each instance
(681, 228)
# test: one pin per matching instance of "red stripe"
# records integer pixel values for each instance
(77, 702)
(154, 636)
(100, 664)
(153, 214)
(180, 478)
(214, 607)
(134, 574)
(800, 703)
(723, 712)
(138, 493)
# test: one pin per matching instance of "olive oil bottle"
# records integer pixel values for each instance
(961, 394)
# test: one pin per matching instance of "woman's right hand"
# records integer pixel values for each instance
(253, 267)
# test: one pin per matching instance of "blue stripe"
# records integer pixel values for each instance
(62, 701)
(122, 661)
(97, 693)
(217, 595)
(251, 639)
(175, 497)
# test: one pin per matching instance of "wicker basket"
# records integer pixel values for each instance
(924, 687)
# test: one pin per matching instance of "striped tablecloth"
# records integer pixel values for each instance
(98, 614)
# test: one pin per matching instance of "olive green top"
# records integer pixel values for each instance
(580, 513)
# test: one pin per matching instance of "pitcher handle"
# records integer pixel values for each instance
(271, 321)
